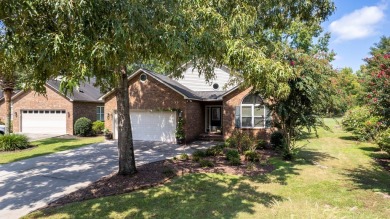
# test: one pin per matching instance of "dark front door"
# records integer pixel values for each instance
(216, 116)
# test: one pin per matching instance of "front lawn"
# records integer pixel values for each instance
(333, 177)
(47, 146)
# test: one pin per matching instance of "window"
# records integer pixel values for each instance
(143, 77)
(100, 113)
(253, 113)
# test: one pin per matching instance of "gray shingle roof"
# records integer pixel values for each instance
(86, 92)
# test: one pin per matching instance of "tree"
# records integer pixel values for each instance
(81, 39)
(8, 66)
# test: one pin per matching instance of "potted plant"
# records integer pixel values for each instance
(180, 134)
(107, 134)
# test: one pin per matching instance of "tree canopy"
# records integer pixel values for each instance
(83, 39)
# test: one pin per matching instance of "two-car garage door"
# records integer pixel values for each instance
(151, 126)
(44, 121)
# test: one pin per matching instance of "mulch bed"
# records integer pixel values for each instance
(158, 173)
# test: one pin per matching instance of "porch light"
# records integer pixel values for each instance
(108, 116)
(16, 114)
(180, 114)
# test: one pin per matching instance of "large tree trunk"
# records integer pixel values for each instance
(125, 137)
(7, 98)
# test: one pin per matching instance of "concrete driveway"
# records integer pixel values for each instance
(31, 184)
(36, 136)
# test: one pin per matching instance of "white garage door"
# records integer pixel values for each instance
(151, 126)
(44, 121)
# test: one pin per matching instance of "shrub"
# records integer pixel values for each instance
(184, 156)
(242, 141)
(198, 154)
(383, 140)
(360, 122)
(276, 140)
(206, 163)
(83, 127)
(251, 156)
(215, 150)
(98, 127)
(261, 144)
(235, 162)
(232, 154)
(13, 142)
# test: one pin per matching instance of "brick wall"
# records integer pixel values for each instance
(29, 100)
(229, 107)
(153, 95)
(84, 109)
(2, 111)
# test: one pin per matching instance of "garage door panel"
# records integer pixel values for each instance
(152, 126)
(48, 122)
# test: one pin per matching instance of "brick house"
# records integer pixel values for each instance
(54, 113)
(157, 102)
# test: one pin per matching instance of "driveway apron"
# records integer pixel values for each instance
(33, 183)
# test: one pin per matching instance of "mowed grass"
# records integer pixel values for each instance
(333, 177)
(47, 146)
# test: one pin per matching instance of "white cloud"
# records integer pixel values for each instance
(360, 23)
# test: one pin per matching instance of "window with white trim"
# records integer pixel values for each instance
(253, 113)
(100, 113)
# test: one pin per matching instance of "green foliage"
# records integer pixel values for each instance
(232, 154)
(252, 156)
(261, 144)
(198, 154)
(242, 141)
(235, 161)
(83, 127)
(180, 133)
(346, 91)
(13, 142)
(383, 140)
(362, 123)
(98, 127)
(215, 150)
(276, 140)
(184, 157)
(206, 163)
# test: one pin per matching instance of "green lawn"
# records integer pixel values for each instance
(333, 177)
(47, 146)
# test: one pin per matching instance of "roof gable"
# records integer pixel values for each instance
(192, 80)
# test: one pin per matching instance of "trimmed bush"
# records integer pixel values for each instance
(235, 162)
(261, 144)
(98, 127)
(242, 141)
(83, 127)
(198, 154)
(232, 154)
(215, 150)
(13, 142)
(276, 140)
(251, 156)
(206, 163)
(383, 140)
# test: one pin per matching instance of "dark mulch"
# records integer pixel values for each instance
(384, 162)
(158, 173)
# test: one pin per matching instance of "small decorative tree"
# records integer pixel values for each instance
(180, 133)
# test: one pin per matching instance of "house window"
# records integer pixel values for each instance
(100, 113)
(253, 112)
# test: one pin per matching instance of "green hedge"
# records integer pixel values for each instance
(13, 142)
(83, 127)
(98, 127)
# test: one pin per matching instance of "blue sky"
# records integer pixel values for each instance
(355, 26)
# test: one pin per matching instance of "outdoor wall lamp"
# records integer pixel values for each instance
(180, 114)
(16, 114)
(108, 116)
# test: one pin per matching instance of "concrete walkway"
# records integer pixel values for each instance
(31, 184)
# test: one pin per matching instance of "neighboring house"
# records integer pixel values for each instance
(157, 102)
(2, 106)
(55, 113)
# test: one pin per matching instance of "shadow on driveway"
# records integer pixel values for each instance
(31, 184)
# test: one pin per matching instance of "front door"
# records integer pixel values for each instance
(213, 119)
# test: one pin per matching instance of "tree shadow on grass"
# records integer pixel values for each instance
(374, 178)
(191, 196)
(285, 169)
(349, 138)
